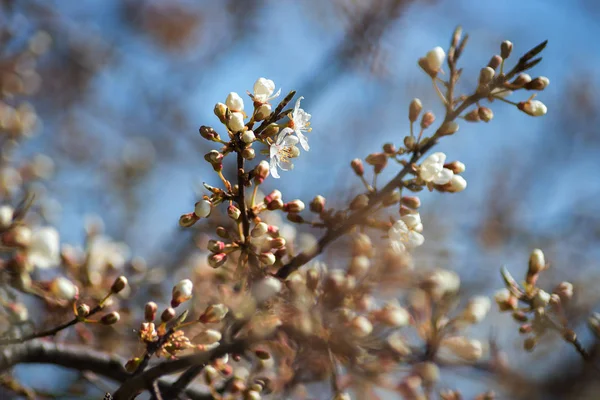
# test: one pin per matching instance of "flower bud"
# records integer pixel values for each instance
(217, 260)
(414, 109)
(277, 243)
(294, 206)
(275, 204)
(210, 374)
(505, 300)
(495, 62)
(295, 218)
(236, 122)
(317, 205)
(360, 326)
(392, 198)
(535, 108)
(267, 258)
(233, 212)
(389, 149)
(594, 324)
(168, 314)
(83, 310)
(457, 184)
(476, 309)
(393, 315)
(248, 137)
(182, 292)
(427, 119)
(261, 172)
(486, 75)
(209, 336)
(222, 232)
(428, 371)
(473, 116)
(564, 290)
(529, 343)
(62, 288)
(110, 318)
(221, 112)
(448, 128)
(234, 102)
(266, 288)
(378, 161)
(485, 114)
(541, 299)
(248, 153)
(187, 220)
(150, 311)
(468, 349)
(435, 58)
(6, 216)
(412, 202)
(263, 111)
(208, 133)
(361, 245)
(359, 202)
(259, 230)
(359, 266)
(358, 167)
(537, 262)
(539, 83)
(202, 208)
(505, 49)
(455, 166)
(521, 80)
(213, 314)
(119, 284)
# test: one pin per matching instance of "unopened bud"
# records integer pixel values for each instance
(222, 232)
(473, 116)
(521, 80)
(261, 172)
(529, 343)
(427, 119)
(119, 284)
(505, 49)
(295, 218)
(411, 202)
(213, 314)
(539, 83)
(358, 167)
(187, 220)
(259, 230)
(414, 109)
(448, 128)
(486, 75)
(209, 336)
(317, 205)
(221, 112)
(248, 153)
(182, 292)
(150, 311)
(83, 310)
(359, 202)
(110, 318)
(392, 198)
(361, 245)
(537, 262)
(267, 258)
(277, 243)
(215, 246)
(276, 204)
(168, 314)
(208, 133)
(455, 166)
(485, 114)
(248, 137)
(217, 260)
(495, 62)
(360, 326)
(377, 160)
(203, 208)
(409, 142)
(263, 112)
(564, 290)
(293, 206)
(233, 212)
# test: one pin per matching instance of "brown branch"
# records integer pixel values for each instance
(80, 358)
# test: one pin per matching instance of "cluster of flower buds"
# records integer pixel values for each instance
(536, 318)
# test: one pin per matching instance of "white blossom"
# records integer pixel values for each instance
(404, 236)
(535, 108)
(263, 90)
(477, 309)
(63, 288)
(435, 58)
(462, 347)
(236, 123)
(282, 151)
(203, 208)
(44, 248)
(182, 291)
(234, 102)
(457, 184)
(432, 169)
(300, 123)
(248, 137)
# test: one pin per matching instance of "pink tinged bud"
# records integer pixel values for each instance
(505, 49)
(236, 122)
(267, 258)
(168, 314)
(215, 246)
(217, 260)
(435, 58)
(357, 167)
(392, 198)
(110, 318)
(411, 202)
(276, 204)
(150, 310)
(214, 313)
(274, 195)
(187, 220)
(535, 108)
(361, 327)
(64, 289)
(233, 212)
(119, 284)
(202, 208)
(182, 292)
(248, 137)
(208, 133)
(414, 109)
(234, 102)
(427, 119)
(505, 300)
(317, 205)
(261, 172)
(294, 206)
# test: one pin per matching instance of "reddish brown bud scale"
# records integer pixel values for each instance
(358, 167)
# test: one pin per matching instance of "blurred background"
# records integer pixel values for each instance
(120, 87)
